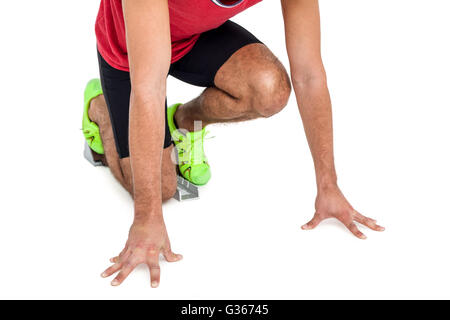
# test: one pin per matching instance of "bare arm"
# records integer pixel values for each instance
(149, 53)
(302, 25)
(148, 42)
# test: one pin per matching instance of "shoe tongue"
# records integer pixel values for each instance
(196, 134)
(197, 153)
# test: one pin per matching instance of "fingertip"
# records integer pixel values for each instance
(173, 257)
(103, 275)
(306, 227)
(155, 284)
(115, 283)
(362, 236)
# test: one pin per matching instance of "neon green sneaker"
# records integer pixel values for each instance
(193, 163)
(90, 129)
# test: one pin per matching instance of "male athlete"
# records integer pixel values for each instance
(140, 43)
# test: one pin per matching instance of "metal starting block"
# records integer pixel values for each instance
(90, 156)
(185, 189)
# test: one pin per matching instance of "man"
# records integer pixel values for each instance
(140, 42)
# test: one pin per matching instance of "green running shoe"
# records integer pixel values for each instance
(192, 161)
(90, 129)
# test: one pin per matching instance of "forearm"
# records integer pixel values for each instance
(146, 145)
(315, 109)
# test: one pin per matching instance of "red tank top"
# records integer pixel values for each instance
(188, 19)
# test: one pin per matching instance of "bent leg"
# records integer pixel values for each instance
(121, 168)
(251, 84)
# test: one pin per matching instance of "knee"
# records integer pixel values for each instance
(169, 187)
(271, 90)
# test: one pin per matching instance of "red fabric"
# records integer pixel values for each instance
(188, 19)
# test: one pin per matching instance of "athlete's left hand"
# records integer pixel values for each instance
(331, 203)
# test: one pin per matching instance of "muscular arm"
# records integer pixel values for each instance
(302, 24)
(148, 42)
(302, 27)
(149, 52)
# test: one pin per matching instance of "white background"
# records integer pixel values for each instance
(388, 68)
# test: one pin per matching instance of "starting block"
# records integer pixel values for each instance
(185, 190)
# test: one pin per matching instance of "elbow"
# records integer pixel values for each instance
(145, 92)
(148, 86)
(313, 79)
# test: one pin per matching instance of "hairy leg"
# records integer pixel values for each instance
(251, 84)
(121, 168)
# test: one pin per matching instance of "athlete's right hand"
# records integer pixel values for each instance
(145, 243)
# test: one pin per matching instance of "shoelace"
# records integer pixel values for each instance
(197, 142)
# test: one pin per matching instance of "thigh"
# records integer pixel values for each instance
(212, 50)
(116, 85)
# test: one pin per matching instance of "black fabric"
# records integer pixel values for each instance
(198, 67)
(116, 87)
(212, 50)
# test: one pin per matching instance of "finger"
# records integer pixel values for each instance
(153, 265)
(171, 257)
(313, 223)
(123, 274)
(358, 214)
(354, 229)
(370, 223)
(111, 270)
(120, 256)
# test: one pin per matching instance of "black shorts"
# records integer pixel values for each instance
(198, 67)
